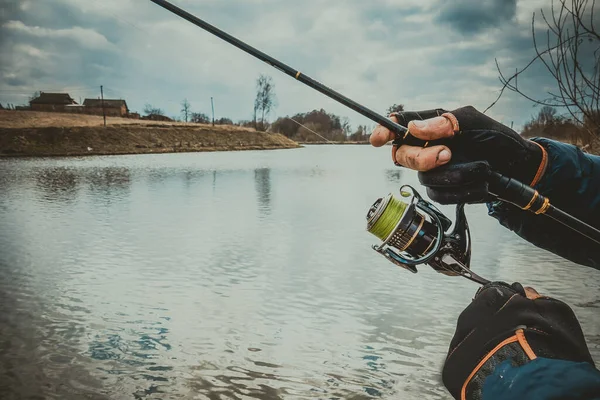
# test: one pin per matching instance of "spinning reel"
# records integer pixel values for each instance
(415, 233)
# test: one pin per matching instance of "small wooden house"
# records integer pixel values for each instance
(51, 102)
(112, 108)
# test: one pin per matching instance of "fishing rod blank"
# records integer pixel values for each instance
(398, 129)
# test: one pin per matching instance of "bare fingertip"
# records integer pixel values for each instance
(374, 139)
(444, 156)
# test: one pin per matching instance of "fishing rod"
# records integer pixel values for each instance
(414, 233)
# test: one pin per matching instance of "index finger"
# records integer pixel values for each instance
(381, 135)
(433, 128)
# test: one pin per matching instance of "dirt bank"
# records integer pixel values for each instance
(49, 134)
(334, 142)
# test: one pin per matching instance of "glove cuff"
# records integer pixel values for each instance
(515, 348)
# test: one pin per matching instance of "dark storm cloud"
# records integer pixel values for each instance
(15, 81)
(472, 16)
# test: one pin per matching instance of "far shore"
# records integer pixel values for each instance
(47, 134)
(332, 143)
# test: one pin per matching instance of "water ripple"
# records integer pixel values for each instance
(232, 275)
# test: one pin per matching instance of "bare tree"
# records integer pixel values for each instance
(395, 108)
(256, 108)
(346, 127)
(35, 95)
(571, 56)
(199, 118)
(151, 110)
(265, 99)
(186, 109)
(547, 115)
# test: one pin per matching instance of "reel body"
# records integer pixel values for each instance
(415, 234)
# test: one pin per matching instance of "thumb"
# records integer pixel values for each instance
(531, 293)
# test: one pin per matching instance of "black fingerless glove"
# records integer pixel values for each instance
(503, 324)
(478, 138)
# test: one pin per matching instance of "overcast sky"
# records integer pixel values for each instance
(422, 53)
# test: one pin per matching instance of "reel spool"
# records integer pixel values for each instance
(415, 233)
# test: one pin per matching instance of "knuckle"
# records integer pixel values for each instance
(412, 159)
(402, 157)
(420, 160)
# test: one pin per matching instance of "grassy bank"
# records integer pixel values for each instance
(52, 134)
(335, 142)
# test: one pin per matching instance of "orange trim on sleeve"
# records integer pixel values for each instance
(525, 344)
(463, 392)
(518, 337)
(542, 167)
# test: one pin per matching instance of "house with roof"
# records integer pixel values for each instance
(112, 108)
(51, 102)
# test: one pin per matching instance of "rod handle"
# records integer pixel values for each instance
(527, 198)
(517, 193)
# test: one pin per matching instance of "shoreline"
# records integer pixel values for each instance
(50, 134)
(134, 139)
(151, 151)
(333, 143)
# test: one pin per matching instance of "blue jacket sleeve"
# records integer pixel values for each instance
(572, 183)
(543, 379)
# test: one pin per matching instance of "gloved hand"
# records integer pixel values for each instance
(473, 137)
(508, 322)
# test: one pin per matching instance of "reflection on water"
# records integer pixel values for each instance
(57, 184)
(262, 181)
(232, 275)
(394, 176)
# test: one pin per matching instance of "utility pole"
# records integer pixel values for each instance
(213, 110)
(103, 112)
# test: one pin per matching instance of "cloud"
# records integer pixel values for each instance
(86, 37)
(422, 53)
(13, 80)
(469, 17)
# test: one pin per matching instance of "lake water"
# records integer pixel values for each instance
(233, 276)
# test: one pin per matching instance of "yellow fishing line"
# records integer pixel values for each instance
(388, 220)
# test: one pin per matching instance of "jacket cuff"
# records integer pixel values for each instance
(563, 166)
